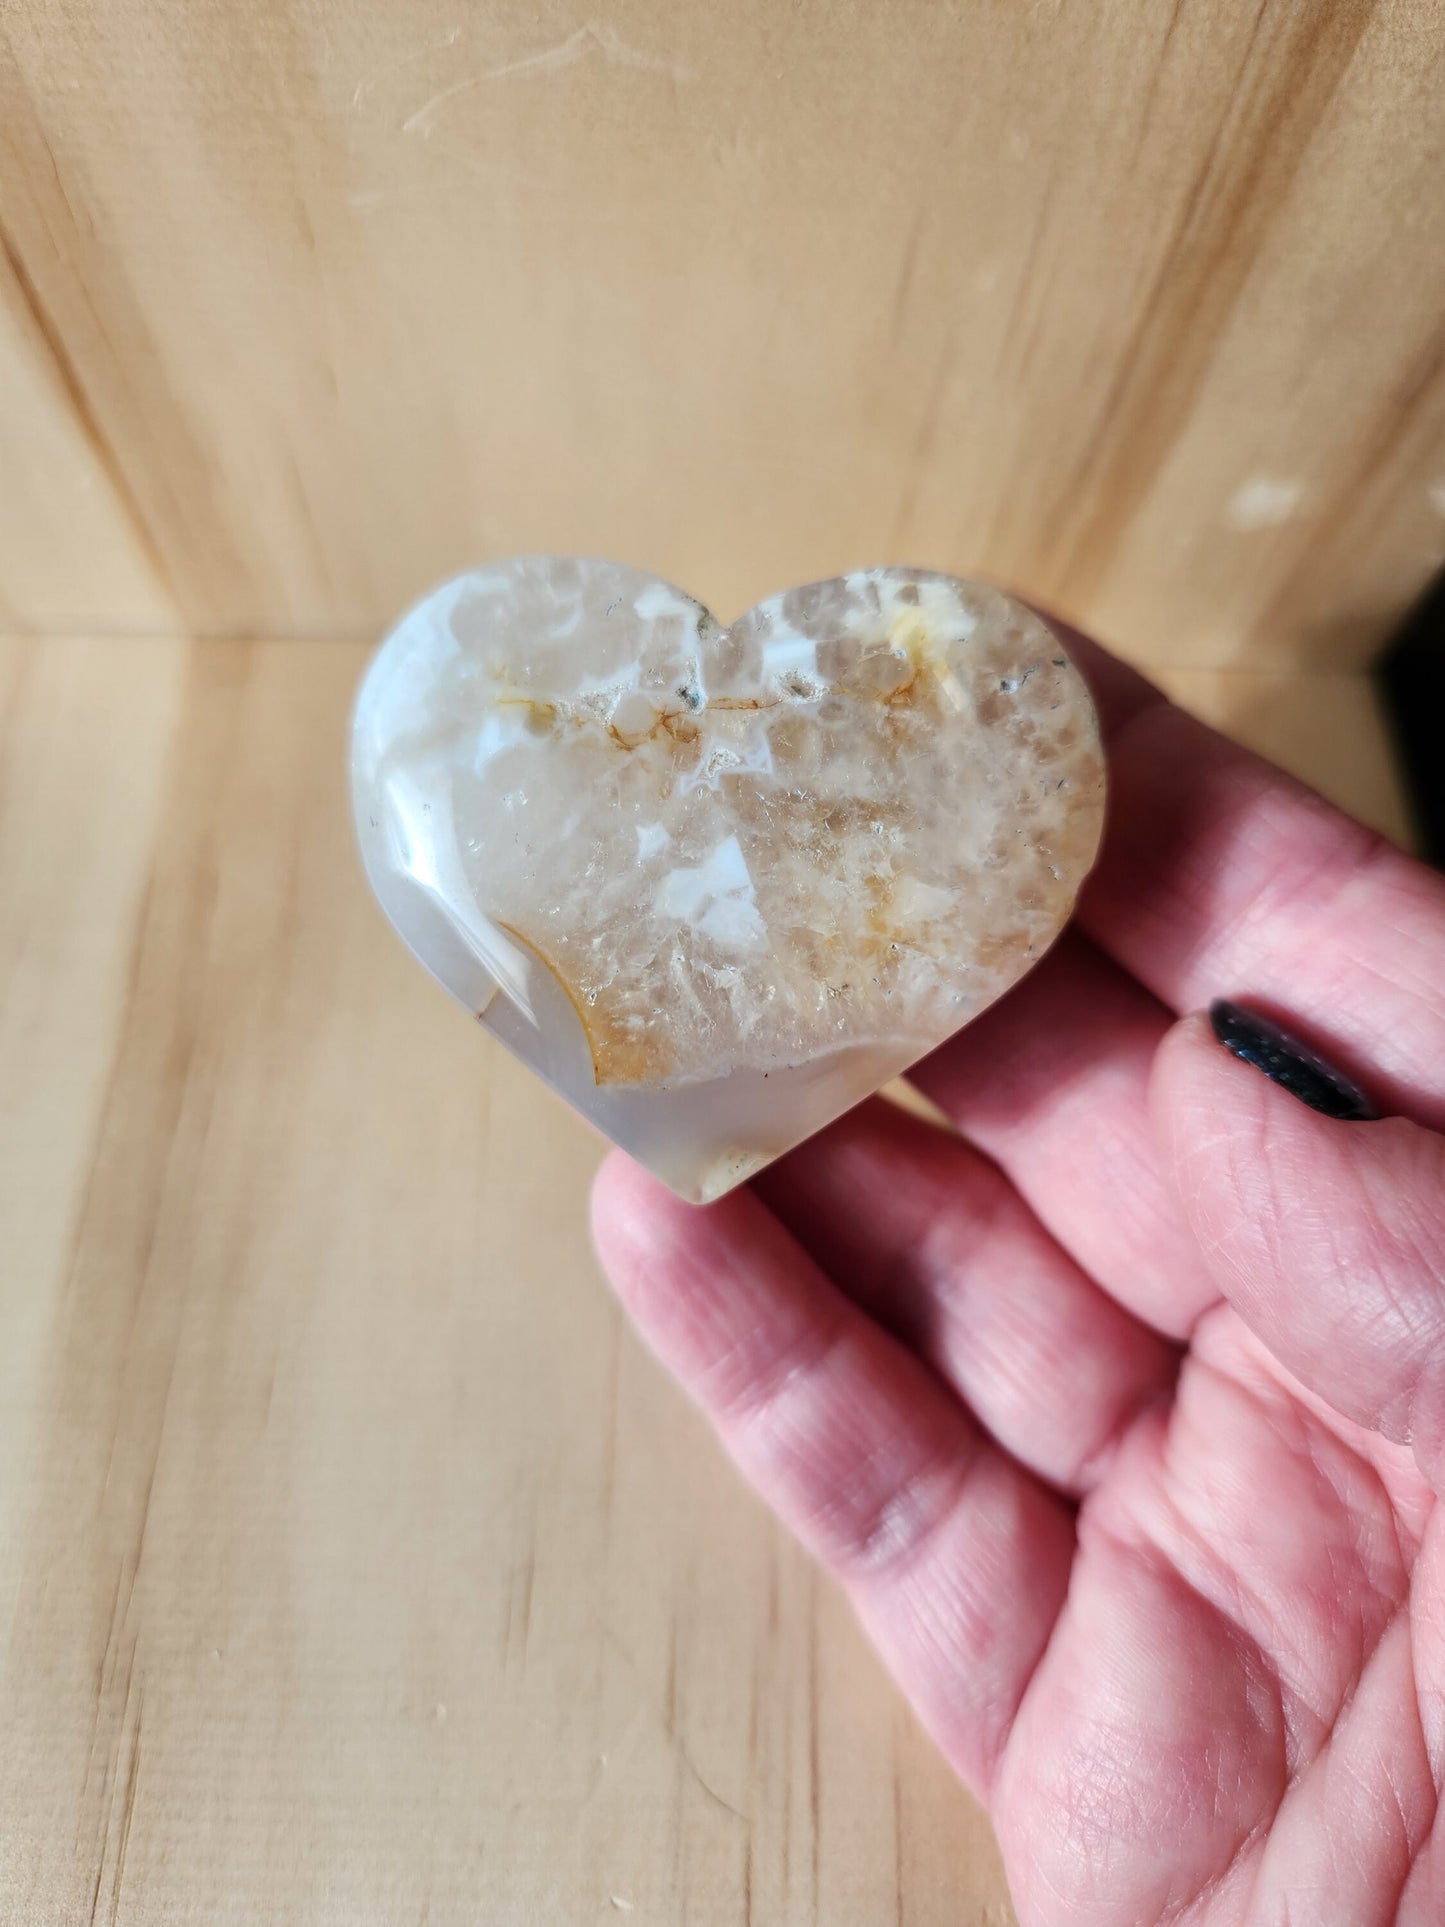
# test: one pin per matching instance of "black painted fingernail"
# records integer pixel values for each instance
(1284, 1059)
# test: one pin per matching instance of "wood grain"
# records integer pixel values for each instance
(1137, 308)
(357, 1566)
(70, 558)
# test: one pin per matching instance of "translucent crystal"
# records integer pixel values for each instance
(716, 885)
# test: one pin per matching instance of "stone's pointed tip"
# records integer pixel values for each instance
(728, 880)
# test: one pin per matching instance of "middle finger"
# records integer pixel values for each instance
(1052, 1083)
(930, 1239)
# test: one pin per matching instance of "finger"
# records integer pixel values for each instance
(1328, 1237)
(1218, 871)
(933, 1242)
(956, 1559)
(1053, 1083)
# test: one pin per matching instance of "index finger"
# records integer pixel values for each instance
(1221, 876)
(955, 1557)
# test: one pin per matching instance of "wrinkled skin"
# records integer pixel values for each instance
(1121, 1412)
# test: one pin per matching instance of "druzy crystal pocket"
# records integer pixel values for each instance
(716, 885)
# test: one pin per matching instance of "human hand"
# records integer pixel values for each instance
(1121, 1417)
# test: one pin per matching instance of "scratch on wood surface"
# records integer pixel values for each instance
(127, 1813)
(369, 82)
(529, 1572)
(1151, 93)
(127, 1571)
(112, 1632)
(1174, 14)
(921, 452)
(1024, 324)
(711, 1791)
(79, 219)
(102, 1671)
(145, 1505)
(306, 518)
(94, 1747)
(907, 269)
(594, 38)
(132, 1783)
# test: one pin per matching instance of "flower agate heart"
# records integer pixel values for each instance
(716, 885)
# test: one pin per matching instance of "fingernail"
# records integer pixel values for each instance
(1285, 1060)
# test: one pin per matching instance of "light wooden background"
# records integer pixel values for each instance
(355, 1565)
(1134, 303)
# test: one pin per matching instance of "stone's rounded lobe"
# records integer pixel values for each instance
(716, 885)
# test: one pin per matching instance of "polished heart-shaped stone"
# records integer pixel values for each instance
(716, 885)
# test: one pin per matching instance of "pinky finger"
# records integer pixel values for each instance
(956, 1559)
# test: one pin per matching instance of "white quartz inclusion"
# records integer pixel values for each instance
(717, 884)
